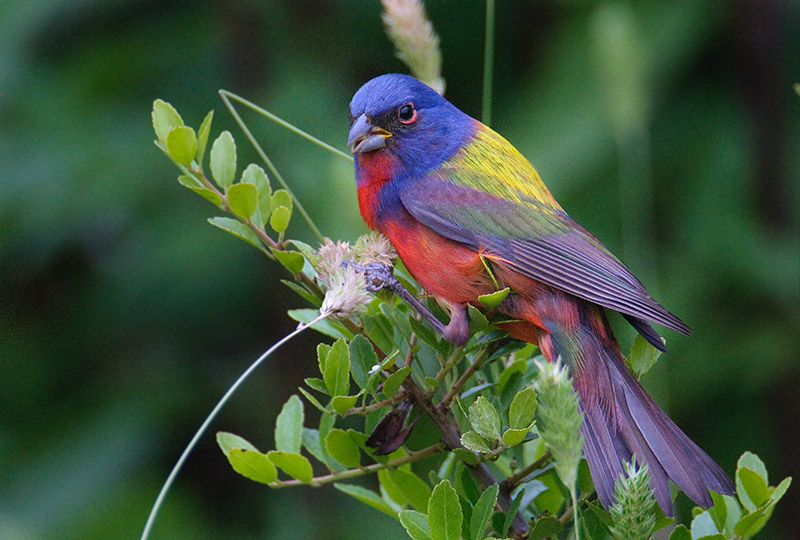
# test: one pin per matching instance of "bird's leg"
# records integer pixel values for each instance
(379, 276)
(457, 330)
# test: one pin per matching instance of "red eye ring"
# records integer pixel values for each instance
(407, 114)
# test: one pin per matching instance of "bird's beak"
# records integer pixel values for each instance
(364, 137)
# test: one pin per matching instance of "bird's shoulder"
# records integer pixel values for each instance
(487, 162)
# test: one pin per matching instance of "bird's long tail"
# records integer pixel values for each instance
(620, 419)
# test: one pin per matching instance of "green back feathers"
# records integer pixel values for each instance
(491, 164)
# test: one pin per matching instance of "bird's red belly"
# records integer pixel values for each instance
(444, 268)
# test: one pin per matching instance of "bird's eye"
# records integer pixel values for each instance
(407, 113)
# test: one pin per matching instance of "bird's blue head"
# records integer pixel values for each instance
(398, 114)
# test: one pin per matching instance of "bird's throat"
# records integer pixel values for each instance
(373, 171)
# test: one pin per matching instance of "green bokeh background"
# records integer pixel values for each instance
(669, 129)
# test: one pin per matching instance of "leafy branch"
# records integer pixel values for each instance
(478, 441)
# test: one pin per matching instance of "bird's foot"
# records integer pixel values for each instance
(457, 330)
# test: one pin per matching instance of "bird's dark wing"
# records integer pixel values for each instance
(539, 241)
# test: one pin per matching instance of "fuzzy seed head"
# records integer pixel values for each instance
(347, 293)
(634, 511)
(374, 248)
(559, 419)
(415, 40)
(331, 256)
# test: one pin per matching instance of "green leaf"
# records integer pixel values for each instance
(513, 437)
(753, 522)
(522, 409)
(189, 181)
(755, 486)
(367, 497)
(752, 461)
(324, 326)
(465, 455)
(312, 444)
(182, 144)
(393, 382)
(342, 448)
(342, 404)
(165, 117)
(416, 524)
(362, 358)
(246, 459)
(512, 511)
(484, 419)
(255, 175)
(518, 367)
(252, 464)
(545, 527)
(289, 426)
(749, 460)
(243, 199)
(494, 299)
(323, 350)
(237, 229)
(381, 331)
(202, 137)
(475, 442)
(293, 261)
(314, 401)
(279, 220)
(317, 384)
(642, 357)
(413, 488)
(602, 515)
(780, 489)
(223, 160)
(337, 369)
(303, 292)
(192, 183)
(389, 490)
(444, 512)
(703, 525)
(229, 441)
(293, 464)
(477, 320)
(725, 511)
(680, 533)
(585, 482)
(281, 197)
(551, 499)
(482, 511)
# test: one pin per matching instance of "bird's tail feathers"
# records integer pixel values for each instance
(627, 422)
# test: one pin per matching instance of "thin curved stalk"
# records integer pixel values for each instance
(210, 418)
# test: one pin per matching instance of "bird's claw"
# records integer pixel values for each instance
(376, 276)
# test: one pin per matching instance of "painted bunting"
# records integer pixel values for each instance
(469, 215)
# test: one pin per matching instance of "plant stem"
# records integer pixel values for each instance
(488, 64)
(452, 440)
(516, 479)
(225, 95)
(291, 127)
(473, 367)
(363, 411)
(361, 471)
(204, 426)
(455, 358)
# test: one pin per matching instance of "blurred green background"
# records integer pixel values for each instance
(669, 129)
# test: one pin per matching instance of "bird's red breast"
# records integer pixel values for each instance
(375, 169)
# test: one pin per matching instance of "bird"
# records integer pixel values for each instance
(469, 215)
